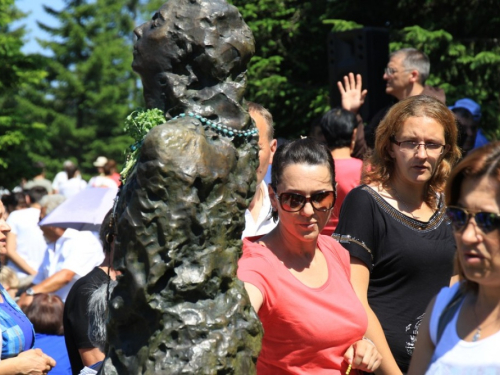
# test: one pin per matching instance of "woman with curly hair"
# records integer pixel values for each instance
(395, 228)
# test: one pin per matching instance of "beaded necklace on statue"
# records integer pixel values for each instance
(139, 122)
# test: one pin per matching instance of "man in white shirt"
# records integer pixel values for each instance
(25, 243)
(258, 219)
(70, 255)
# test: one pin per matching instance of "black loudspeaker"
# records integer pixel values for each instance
(361, 51)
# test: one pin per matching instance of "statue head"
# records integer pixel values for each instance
(192, 56)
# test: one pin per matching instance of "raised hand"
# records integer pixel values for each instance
(351, 94)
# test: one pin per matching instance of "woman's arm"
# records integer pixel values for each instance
(360, 278)
(424, 348)
(15, 257)
(254, 295)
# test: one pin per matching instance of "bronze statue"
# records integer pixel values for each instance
(178, 307)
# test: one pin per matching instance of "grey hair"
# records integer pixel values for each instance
(97, 311)
(415, 59)
(50, 202)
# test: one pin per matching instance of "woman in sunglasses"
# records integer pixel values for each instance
(394, 225)
(460, 333)
(298, 280)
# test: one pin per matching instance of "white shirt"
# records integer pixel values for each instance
(102, 182)
(72, 186)
(75, 251)
(456, 356)
(29, 237)
(59, 179)
(265, 222)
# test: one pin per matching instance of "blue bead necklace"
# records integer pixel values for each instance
(218, 127)
(208, 124)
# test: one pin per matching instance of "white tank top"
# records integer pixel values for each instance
(455, 356)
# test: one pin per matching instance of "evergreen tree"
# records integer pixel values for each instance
(289, 72)
(90, 87)
(20, 138)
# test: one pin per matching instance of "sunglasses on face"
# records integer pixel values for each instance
(293, 202)
(459, 217)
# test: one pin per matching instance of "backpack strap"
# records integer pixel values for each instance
(449, 312)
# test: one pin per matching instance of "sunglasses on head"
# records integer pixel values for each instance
(293, 202)
(459, 217)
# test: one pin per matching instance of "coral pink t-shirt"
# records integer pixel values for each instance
(348, 176)
(306, 330)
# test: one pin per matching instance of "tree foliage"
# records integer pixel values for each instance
(289, 73)
(74, 104)
(20, 138)
(90, 87)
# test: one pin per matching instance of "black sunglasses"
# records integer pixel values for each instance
(321, 201)
(459, 217)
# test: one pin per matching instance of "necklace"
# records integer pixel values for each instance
(405, 205)
(477, 334)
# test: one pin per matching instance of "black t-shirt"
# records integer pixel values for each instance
(409, 262)
(75, 318)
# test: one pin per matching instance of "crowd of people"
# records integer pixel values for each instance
(371, 249)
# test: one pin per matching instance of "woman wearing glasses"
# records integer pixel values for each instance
(461, 331)
(394, 225)
(298, 280)
(17, 335)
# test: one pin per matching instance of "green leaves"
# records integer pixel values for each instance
(137, 125)
(141, 121)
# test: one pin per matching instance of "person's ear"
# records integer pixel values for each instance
(414, 76)
(273, 146)
(273, 197)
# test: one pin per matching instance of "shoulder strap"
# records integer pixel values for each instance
(449, 312)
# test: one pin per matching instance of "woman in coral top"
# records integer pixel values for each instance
(298, 280)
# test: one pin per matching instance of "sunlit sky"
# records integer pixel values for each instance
(36, 13)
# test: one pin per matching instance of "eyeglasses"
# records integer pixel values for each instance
(391, 71)
(410, 146)
(293, 202)
(459, 217)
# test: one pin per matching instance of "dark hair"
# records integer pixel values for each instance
(39, 167)
(109, 167)
(338, 126)
(479, 163)
(46, 314)
(70, 170)
(462, 116)
(36, 193)
(107, 231)
(300, 151)
(13, 201)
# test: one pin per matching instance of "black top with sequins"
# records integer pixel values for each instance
(409, 262)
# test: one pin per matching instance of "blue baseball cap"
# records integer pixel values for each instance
(470, 105)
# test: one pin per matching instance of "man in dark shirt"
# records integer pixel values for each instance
(405, 76)
(81, 351)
